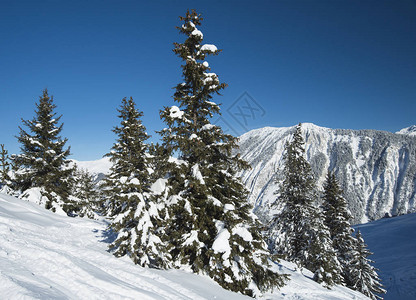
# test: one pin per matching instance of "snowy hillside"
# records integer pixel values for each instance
(393, 242)
(48, 256)
(377, 169)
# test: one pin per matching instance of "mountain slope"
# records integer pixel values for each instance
(408, 130)
(393, 241)
(377, 169)
(48, 256)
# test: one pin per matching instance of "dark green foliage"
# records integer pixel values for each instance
(210, 228)
(129, 159)
(158, 161)
(43, 160)
(337, 219)
(297, 233)
(364, 276)
(126, 192)
(5, 166)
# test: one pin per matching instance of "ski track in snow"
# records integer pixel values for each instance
(48, 256)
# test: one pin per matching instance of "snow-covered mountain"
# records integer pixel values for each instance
(97, 168)
(376, 169)
(44, 255)
(408, 130)
(100, 166)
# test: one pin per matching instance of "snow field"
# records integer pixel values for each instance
(49, 256)
(393, 242)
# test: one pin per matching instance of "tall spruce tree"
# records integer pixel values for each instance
(297, 233)
(4, 166)
(126, 190)
(210, 228)
(290, 230)
(43, 162)
(337, 219)
(364, 276)
(322, 257)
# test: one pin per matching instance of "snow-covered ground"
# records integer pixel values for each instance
(44, 255)
(393, 242)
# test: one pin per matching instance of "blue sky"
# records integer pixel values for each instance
(338, 64)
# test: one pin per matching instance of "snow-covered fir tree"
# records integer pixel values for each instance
(127, 191)
(84, 200)
(85, 187)
(364, 277)
(210, 228)
(322, 257)
(43, 160)
(298, 233)
(337, 219)
(290, 229)
(4, 166)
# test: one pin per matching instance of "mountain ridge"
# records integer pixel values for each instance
(381, 165)
(376, 169)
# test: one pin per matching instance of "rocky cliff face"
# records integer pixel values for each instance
(376, 169)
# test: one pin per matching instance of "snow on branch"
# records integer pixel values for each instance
(208, 127)
(222, 243)
(197, 174)
(197, 33)
(209, 48)
(175, 112)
